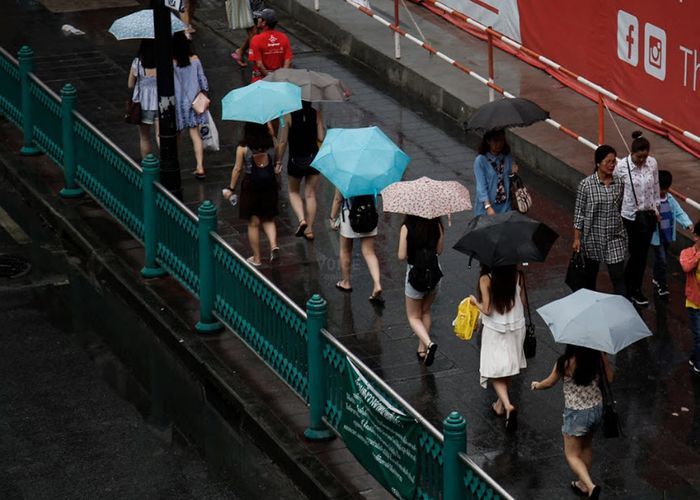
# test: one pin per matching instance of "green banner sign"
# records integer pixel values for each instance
(382, 437)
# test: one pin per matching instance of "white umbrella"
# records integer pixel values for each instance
(140, 25)
(601, 321)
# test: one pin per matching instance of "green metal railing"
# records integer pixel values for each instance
(293, 342)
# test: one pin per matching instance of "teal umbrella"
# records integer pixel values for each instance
(360, 160)
(261, 102)
(140, 25)
(601, 321)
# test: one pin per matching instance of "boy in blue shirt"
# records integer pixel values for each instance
(671, 214)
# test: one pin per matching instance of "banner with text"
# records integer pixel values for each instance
(381, 436)
(645, 51)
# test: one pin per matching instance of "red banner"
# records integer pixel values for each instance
(645, 51)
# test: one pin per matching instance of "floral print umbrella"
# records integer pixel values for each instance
(426, 197)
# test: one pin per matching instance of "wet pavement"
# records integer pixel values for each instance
(657, 399)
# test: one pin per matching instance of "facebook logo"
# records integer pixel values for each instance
(627, 37)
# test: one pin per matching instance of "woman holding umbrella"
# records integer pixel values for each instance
(598, 229)
(492, 169)
(581, 369)
(500, 300)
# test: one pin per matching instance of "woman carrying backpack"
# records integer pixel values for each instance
(358, 220)
(255, 156)
(500, 300)
(420, 242)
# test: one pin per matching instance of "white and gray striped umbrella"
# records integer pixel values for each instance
(140, 25)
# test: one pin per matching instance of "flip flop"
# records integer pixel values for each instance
(430, 356)
(198, 176)
(512, 421)
(251, 261)
(301, 228)
(342, 288)
(420, 355)
(377, 299)
(493, 408)
(577, 490)
(275, 254)
(595, 492)
(309, 236)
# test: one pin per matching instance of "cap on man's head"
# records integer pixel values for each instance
(268, 15)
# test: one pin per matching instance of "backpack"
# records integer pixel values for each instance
(363, 214)
(425, 273)
(262, 177)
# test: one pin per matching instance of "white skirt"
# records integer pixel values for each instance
(501, 353)
(346, 229)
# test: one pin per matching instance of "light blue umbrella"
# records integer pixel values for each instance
(360, 160)
(601, 321)
(261, 102)
(140, 25)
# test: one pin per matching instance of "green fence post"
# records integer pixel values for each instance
(207, 223)
(25, 56)
(454, 428)
(68, 98)
(151, 173)
(316, 309)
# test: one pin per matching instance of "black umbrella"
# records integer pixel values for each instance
(505, 239)
(504, 113)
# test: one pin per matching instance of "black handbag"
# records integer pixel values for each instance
(576, 272)
(132, 114)
(612, 427)
(530, 342)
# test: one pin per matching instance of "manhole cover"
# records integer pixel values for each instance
(13, 266)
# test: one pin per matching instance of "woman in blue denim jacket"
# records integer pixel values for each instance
(492, 169)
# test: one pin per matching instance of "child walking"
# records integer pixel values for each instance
(690, 262)
(671, 214)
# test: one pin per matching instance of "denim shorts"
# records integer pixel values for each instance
(148, 117)
(579, 423)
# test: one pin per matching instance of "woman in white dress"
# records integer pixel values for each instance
(500, 300)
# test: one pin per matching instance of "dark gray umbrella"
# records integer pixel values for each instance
(504, 113)
(505, 239)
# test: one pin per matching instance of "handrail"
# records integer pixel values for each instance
(285, 298)
(170, 196)
(9, 56)
(84, 121)
(499, 489)
(44, 87)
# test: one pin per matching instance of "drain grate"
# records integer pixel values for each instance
(13, 266)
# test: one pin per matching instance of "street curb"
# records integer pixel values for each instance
(222, 389)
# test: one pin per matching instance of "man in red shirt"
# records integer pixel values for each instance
(269, 50)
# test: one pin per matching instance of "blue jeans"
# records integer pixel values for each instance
(660, 252)
(694, 315)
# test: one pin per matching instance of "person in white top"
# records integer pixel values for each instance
(640, 211)
(500, 300)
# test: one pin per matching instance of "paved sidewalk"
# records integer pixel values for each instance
(661, 452)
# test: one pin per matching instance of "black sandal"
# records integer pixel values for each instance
(420, 355)
(430, 355)
(301, 228)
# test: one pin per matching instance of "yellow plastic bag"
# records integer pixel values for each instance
(467, 318)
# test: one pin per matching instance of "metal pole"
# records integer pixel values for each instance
(207, 223)
(151, 174)
(492, 94)
(26, 56)
(317, 5)
(169, 166)
(397, 36)
(316, 309)
(454, 429)
(68, 98)
(601, 119)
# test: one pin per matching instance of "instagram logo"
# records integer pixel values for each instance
(655, 51)
(627, 37)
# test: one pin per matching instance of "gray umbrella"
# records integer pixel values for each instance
(315, 86)
(504, 113)
(140, 25)
(601, 321)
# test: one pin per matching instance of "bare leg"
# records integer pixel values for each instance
(372, 262)
(198, 147)
(144, 139)
(426, 313)
(270, 229)
(500, 385)
(572, 451)
(157, 124)
(414, 313)
(310, 197)
(254, 238)
(345, 260)
(295, 198)
(587, 450)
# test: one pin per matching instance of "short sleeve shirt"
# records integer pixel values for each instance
(271, 48)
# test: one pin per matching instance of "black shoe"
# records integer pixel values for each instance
(639, 299)
(695, 370)
(661, 289)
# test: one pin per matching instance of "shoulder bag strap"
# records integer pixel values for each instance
(527, 299)
(629, 172)
(605, 385)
